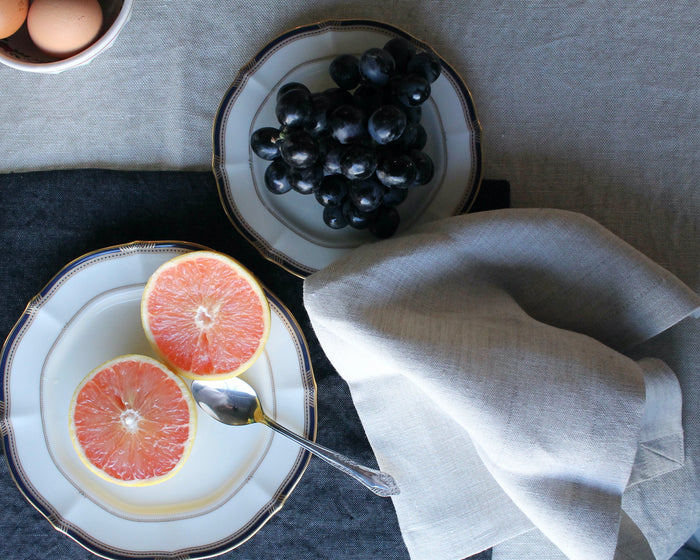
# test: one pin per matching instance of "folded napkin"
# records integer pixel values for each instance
(484, 354)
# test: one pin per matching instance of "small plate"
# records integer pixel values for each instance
(288, 229)
(235, 478)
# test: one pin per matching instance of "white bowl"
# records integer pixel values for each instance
(18, 51)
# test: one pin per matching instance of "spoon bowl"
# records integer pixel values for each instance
(234, 402)
(231, 401)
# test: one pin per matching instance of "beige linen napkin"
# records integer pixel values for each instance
(484, 357)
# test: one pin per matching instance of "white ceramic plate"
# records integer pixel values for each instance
(288, 229)
(235, 478)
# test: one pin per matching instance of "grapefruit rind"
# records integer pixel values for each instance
(244, 274)
(187, 396)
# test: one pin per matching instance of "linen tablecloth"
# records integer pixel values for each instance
(586, 107)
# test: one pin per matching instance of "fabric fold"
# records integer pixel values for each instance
(490, 344)
(660, 447)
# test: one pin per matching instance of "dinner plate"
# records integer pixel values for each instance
(234, 480)
(288, 229)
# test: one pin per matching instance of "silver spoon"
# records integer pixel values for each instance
(234, 402)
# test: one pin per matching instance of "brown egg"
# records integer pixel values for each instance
(12, 16)
(64, 27)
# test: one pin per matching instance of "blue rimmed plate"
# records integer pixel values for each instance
(288, 229)
(235, 478)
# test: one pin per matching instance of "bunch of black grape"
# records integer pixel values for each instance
(358, 147)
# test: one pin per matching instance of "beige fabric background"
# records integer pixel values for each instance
(587, 106)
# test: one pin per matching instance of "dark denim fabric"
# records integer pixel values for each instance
(48, 219)
(691, 549)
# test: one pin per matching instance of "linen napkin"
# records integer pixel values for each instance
(484, 354)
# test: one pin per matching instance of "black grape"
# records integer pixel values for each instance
(299, 149)
(425, 64)
(334, 217)
(355, 217)
(386, 124)
(294, 108)
(347, 124)
(345, 71)
(402, 50)
(276, 177)
(412, 90)
(393, 196)
(289, 86)
(366, 195)
(397, 170)
(305, 180)
(425, 168)
(385, 222)
(265, 142)
(358, 162)
(332, 190)
(377, 66)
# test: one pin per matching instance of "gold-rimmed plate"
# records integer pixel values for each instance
(288, 229)
(235, 478)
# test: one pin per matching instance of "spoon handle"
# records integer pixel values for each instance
(381, 483)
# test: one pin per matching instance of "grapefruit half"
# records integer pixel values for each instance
(132, 421)
(206, 315)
